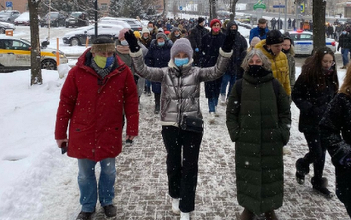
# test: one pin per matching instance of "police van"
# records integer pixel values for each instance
(303, 42)
(15, 55)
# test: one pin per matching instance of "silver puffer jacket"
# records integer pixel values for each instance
(180, 86)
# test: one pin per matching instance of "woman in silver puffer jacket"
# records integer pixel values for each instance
(180, 83)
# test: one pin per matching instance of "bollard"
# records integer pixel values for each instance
(9, 32)
(57, 53)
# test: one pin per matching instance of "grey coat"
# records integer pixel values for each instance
(180, 86)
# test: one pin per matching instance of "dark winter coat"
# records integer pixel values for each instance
(239, 47)
(195, 38)
(259, 125)
(336, 119)
(345, 41)
(180, 86)
(158, 57)
(210, 51)
(312, 102)
(93, 108)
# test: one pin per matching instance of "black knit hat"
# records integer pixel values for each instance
(200, 20)
(103, 44)
(274, 37)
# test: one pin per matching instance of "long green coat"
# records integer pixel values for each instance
(260, 127)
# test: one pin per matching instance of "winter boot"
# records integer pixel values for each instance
(185, 216)
(270, 215)
(157, 103)
(175, 206)
(302, 168)
(247, 215)
(84, 215)
(320, 185)
(110, 210)
(212, 118)
(222, 98)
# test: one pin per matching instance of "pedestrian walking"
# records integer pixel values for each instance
(181, 117)
(175, 34)
(271, 47)
(195, 38)
(289, 23)
(260, 31)
(234, 70)
(313, 90)
(288, 50)
(259, 135)
(211, 44)
(158, 56)
(345, 44)
(273, 22)
(337, 121)
(93, 98)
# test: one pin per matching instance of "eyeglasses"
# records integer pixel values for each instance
(328, 62)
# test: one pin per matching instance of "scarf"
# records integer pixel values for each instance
(123, 49)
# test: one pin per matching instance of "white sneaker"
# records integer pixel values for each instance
(286, 150)
(223, 101)
(175, 206)
(212, 118)
(184, 216)
(216, 114)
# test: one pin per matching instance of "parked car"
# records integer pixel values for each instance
(303, 42)
(135, 24)
(5, 26)
(77, 19)
(114, 21)
(15, 55)
(23, 19)
(79, 36)
(55, 19)
(9, 15)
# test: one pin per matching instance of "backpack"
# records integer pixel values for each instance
(239, 88)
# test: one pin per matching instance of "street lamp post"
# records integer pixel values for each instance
(96, 18)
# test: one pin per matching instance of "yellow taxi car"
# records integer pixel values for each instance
(15, 55)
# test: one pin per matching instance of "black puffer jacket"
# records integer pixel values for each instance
(337, 118)
(345, 41)
(312, 102)
(239, 47)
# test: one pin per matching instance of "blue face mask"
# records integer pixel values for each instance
(109, 61)
(344, 32)
(160, 44)
(181, 61)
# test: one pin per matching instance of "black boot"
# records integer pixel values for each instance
(302, 169)
(247, 215)
(270, 215)
(157, 103)
(320, 185)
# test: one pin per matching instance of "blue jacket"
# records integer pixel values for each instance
(256, 32)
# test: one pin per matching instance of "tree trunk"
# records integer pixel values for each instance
(36, 77)
(213, 9)
(318, 16)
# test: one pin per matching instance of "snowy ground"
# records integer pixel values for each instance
(38, 183)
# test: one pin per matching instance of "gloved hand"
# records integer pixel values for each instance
(132, 41)
(197, 50)
(347, 161)
(228, 42)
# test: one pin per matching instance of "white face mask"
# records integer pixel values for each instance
(124, 43)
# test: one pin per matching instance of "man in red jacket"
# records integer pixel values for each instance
(96, 93)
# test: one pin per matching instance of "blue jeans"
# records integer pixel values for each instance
(88, 186)
(225, 80)
(345, 58)
(212, 104)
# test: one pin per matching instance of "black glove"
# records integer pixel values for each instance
(229, 42)
(347, 161)
(132, 41)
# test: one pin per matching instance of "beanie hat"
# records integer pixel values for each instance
(145, 30)
(182, 45)
(254, 41)
(230, 24)
(175, 29)
(161, 34)
(200, 20)
(160, 30)
(137, 34)
(122, 32)
(103, 44)
(274, 37)
(214, 21)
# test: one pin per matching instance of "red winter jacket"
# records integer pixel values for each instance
(94, 110)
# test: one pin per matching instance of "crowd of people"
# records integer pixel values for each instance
(256, 82)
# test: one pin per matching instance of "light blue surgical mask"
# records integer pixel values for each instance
(160, 44)
(124, 43)
(181, 61)
(344, 32)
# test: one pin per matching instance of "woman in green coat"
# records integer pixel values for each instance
(258, 121)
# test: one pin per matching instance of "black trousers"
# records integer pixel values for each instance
(182, 172)
(316, 154)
